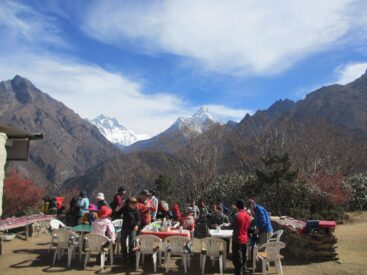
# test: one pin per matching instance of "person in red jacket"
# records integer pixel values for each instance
(144, 207)
(240, 225)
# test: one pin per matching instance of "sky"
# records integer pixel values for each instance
(149, 62)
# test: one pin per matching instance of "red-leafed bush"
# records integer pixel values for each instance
(333, 186)
(21, 195)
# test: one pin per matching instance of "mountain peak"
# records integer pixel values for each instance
(22, 87)
(203, 114)
(114, 131)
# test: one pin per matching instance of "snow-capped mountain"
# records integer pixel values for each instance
(201, 121)
(114, 131)
(179, 133)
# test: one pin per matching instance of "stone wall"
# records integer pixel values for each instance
(2, 166)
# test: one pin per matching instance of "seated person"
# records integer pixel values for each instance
(103, 225)
(91, 216)
(217, 218)
(163, 211)
(188, 222)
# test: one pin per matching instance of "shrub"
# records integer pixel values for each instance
(21, 196)
(358, 192)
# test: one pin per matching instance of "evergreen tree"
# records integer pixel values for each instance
(276, 173)
(164, 187)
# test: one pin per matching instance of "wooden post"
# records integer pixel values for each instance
(1, 245)
(26, 232)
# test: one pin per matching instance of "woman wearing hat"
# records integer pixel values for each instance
(91, 216)
(103, 225)
(101, 201)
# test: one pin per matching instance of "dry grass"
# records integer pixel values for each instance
(31, 257)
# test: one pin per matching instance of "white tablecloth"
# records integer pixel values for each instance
(222, 233)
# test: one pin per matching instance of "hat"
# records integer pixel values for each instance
(100, 196)
(92, 207)
(145, 192)
(190, 210)
(133, 200)
(104, 212)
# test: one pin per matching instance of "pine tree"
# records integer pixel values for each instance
(163, 187)
(276, 173)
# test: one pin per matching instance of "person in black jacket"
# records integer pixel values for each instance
(130, 226)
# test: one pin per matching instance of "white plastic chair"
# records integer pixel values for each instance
(148, 245)
(118, 223)
(270, 254)
(56, 224)
(95, 244)
(175, 246)
(64, 239)
(275, 237)
(214, 248)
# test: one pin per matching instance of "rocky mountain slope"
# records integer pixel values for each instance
(70, 146)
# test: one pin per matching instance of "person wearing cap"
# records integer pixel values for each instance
(101, 201)
(240, 225)
(91, 216)
(261, 220)
(83, 204)
(130, 226)
(103, 225)
(117, 203)
(145, 205)
(188, 222)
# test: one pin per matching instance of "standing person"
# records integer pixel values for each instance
(101, 201)
(130, 226)
(144, 206)
(240, 227)
(83, 204)
(117, 203)
(261, 220)
(201, 228)
(192, 205)
(155, 203)
(175, 208)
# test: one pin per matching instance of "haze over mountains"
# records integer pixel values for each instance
(328, 126)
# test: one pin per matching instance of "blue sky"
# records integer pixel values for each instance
(148, 62)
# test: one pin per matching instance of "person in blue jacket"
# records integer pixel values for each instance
(261, 220)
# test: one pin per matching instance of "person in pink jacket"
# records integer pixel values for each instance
(103, 225)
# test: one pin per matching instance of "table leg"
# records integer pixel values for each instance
(81, 240)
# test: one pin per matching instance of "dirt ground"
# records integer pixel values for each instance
(32, 257)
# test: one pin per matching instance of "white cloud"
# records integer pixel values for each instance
(224, 113)
(350, 72)
(228, 36)
(86, 88)
(21, 24)
(91, 90)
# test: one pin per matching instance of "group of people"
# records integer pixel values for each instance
(250, 222)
